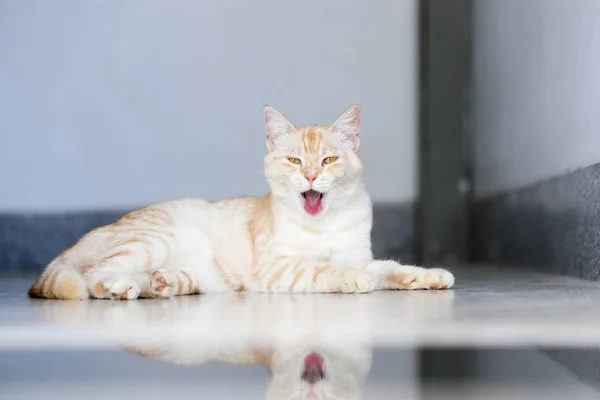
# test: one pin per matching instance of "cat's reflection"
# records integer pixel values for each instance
(314, 346)
(308, 355)
(307, 369)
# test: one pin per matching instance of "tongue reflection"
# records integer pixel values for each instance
(313, 368)
(312, 201)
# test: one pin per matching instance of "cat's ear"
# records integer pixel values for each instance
(347, 126)
(277, 126)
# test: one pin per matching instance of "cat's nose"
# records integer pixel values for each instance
(310, 178)
(313, 377)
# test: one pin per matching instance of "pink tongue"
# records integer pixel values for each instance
(313, 363)
(312, 203)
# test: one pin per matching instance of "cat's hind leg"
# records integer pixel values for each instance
(110, 282)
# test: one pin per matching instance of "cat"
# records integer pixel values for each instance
(309, 234)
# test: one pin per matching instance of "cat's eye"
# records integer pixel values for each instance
(294, 160)
(329, 160)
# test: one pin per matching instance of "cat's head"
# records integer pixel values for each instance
(314, 168)
(322, 373)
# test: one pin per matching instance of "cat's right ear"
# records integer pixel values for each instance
(277, 127)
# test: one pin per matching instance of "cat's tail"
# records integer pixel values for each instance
(60, 282)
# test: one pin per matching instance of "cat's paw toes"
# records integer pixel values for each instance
(434, 278)
(357, 281)
(437, 278)
(163, 283)
(122, 289)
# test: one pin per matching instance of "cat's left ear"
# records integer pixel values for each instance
(348, 127)
(277, 126)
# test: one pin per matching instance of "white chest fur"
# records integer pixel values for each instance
(342, 241)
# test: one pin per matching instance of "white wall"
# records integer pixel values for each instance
(121, 103)
(537, 81)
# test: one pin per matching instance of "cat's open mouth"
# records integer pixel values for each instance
(314, 370)
(312, 201)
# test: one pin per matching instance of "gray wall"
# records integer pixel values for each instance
(537, 81)
(121, 103)
(506, 373)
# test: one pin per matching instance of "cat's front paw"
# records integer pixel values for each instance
(420, 278)
(356, 281)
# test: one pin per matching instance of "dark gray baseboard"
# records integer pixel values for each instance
(393, 235)
(552, 226)
(509, 367)
(29, 241)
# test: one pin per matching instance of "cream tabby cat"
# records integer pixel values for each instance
(311, 233)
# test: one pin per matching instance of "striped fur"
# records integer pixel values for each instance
(311, 233)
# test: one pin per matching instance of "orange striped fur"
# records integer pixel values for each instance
(311, 233)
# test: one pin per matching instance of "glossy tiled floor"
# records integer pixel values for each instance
(137, 348)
